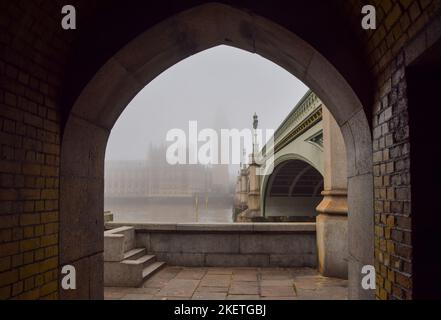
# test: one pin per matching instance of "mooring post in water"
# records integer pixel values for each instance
(197, 208)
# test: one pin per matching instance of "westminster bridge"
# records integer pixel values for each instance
(301, 177)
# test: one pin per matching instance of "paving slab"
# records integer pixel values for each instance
(113, 295)
(301, 271)
(212, 289)
(245, 276)
(137, 296)
(243, 297)
(285, 291)
(244, 288)
(169, 298)
(323, 294)
(216, 280)
(146, 290)
(276, 275)
(244, 269)
(155, 283)
(186, 283)
(191, 274)
(279, 298)
(220, 271)
(307, 282)
(277, 283)
(168, 273)
(209, 296)
(179, 288)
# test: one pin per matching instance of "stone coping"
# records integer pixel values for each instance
(297, 227)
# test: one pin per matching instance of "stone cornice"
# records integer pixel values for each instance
(300, 129)
(306, 114)
(306, 105)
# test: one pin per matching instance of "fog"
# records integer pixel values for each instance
(220, 88)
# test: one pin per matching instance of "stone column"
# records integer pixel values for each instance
(332, 219)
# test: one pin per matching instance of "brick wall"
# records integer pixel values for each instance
(30, 148)
(398, 21)
(34, 51)
(31, 53)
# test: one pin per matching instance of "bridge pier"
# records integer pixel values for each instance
(332, 220)
(243, 188)
(254, 189)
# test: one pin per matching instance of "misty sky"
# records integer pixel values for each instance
(220, 88)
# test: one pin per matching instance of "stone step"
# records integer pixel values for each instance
(117, 242)
(130, 272)
(134, 254)
(142, 261)
(152, 269)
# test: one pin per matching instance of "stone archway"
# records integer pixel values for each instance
(293, 189)
(265, 182)
(107, 94)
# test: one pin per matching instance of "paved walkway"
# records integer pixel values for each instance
(181, 283)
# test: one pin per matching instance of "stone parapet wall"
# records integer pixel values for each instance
(229, 245)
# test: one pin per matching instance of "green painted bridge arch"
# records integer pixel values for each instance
(298, 143)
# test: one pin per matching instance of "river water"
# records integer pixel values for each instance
(170, 211)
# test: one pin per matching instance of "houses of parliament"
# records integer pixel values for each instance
(155, 178)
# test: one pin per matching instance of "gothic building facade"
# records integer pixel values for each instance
(154, 177)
